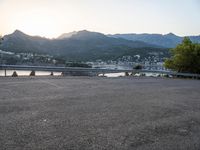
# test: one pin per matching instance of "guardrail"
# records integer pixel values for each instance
(95, 71)
(172, 73)
(64, 70)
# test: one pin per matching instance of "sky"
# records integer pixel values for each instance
(50, 18)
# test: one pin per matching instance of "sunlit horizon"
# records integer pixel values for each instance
(50, 19)
(57, 36)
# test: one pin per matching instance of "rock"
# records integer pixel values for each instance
(14, 74)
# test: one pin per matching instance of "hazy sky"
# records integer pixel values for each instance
(50, 18)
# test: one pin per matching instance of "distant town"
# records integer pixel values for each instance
(125, 62)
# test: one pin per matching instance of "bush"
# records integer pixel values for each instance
(137, 67)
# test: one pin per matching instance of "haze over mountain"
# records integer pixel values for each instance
(81, 45)
(168, 40)
(67, 35)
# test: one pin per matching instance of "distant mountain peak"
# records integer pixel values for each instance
(87, 35)
(87, 32)
(67, 35)
(81, 33)
(18, 33)
(171, 34)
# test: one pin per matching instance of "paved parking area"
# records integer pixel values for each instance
(93, 113)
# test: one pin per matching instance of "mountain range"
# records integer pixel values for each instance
(88, 46)
(168, 40)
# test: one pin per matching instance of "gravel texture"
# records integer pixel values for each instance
(93, 113)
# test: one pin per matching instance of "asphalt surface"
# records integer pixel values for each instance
(93, 113)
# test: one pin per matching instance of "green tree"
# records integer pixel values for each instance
(185, 57)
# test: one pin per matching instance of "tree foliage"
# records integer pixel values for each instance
(185, 57)
(137, 67)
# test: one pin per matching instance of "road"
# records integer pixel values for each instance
(93, 113)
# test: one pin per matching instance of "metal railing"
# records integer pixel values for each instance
(96, 71)
(64, 70)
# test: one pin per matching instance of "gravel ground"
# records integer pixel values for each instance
(93, 113)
